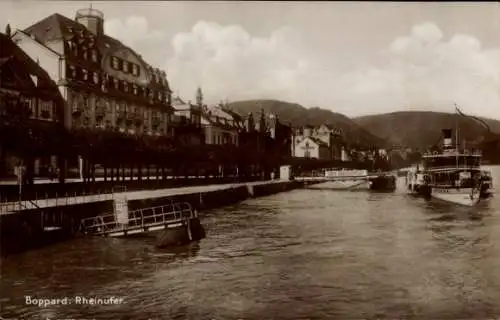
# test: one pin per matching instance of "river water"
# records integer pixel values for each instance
(305, 254)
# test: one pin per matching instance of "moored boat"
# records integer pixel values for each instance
(416, 183)
(455, 175)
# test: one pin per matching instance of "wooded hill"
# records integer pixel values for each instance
(422, 129)
(298, 116)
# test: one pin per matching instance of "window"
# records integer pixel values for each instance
(99, 123)
(115, 82)
(85, 101)
(135, 90)
(94, 55)
(125, 86)
(85, 74)
(125, 66)
(135, 70)
(96, 78)
(74, 104)
(72, 72)
(46, 110)
(85, 54)
(115, 63)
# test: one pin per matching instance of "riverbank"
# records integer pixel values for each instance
(43, 224)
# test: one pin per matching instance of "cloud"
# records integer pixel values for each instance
(136, 33)
(421, 70)
(228, 62)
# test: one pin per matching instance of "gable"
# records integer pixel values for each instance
(308, 142)
(18, 67)
(324, 128)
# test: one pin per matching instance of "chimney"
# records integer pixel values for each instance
(447, 142)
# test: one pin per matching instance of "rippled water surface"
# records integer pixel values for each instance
(315, 254)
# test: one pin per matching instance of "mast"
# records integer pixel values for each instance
(457, 147)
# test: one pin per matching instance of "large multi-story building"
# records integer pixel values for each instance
(30, 114)
(106, 85)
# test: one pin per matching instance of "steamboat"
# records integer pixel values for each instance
(452, 175)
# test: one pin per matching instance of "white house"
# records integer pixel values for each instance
(311, 147)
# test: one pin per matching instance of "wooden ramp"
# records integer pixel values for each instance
(140, 221)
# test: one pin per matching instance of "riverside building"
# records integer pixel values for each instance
(106, 85)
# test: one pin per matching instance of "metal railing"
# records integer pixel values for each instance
(65, 199)
(140, 218)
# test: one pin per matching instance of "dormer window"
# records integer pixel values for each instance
(135, 70)
(125, 66)
(115, 63)
(94, 55)
(70, 29)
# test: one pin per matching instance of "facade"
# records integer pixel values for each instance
(186, 122)
(312, 148)
(31, 113)
(107, 87)
(221, 127)
(264, 143)
(106, 84)
(326, 139)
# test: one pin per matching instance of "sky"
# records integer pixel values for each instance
(356, 58)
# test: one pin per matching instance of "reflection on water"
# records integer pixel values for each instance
(315, 254)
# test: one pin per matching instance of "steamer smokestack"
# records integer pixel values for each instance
(447, 142)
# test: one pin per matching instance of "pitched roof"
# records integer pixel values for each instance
(179, 104)
(57, 27)
(25, 68)
(317, 141)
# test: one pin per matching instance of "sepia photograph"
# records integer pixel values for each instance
(249, 160)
